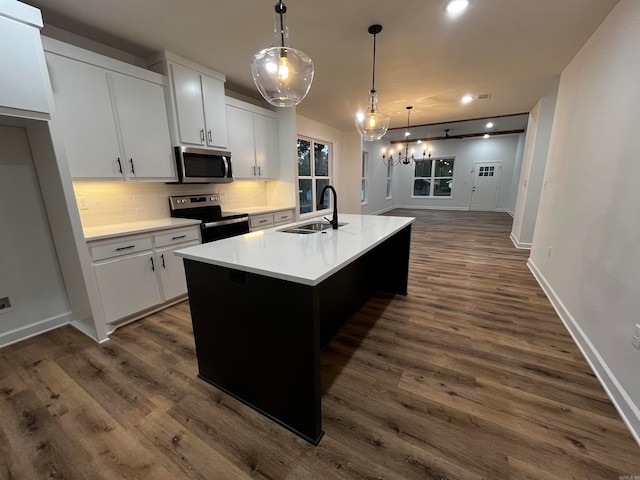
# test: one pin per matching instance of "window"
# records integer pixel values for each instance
(365, 175)
(389, 176)
(433, 177)
(486, 171)
(314, 162)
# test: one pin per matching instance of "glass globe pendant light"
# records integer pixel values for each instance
(282, 74)
(373, 124)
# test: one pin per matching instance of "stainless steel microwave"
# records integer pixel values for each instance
(198, 165)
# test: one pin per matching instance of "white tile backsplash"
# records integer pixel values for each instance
(106, 203)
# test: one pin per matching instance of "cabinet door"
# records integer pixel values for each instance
(241, 142)
(215, 112)
(84, 114)
(23, 80)
(128, 285)
(189, 110)
(144, 127)
(171, 268)
(266, 138)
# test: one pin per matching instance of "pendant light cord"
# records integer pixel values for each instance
(281, 9)
(373, 76)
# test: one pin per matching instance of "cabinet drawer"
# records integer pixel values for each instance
(120, 247)
(176, 236)
(261, 221)
(283, 217)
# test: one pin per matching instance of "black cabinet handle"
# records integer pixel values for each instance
(119, 249)
(178, 237)
(210, 137)
(153, 266)
(162, 258)
(202, 135)
(119, 165)
(132, 169)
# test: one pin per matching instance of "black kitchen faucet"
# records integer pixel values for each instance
(334, 220)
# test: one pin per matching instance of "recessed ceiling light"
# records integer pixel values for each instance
(467, 98)
(457, 6)
(490, 125)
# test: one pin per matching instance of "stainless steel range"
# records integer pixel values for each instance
(216, 224)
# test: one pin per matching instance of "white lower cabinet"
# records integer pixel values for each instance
(271, 219)
(171, 269)
(128, 285)
(136, 273)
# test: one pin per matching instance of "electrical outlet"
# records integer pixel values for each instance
(635, 341)
(549, 253)
(5, 303)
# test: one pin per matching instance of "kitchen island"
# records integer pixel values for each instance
(266, 303)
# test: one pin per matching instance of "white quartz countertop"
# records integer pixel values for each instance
(132, 228)
(302, 258)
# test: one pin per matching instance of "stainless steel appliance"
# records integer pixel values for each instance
(198, 165)
(216, 224)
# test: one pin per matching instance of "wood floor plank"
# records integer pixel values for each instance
(470, 376)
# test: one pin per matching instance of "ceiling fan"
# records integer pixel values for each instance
(447, 136)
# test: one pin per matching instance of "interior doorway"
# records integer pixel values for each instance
(486, 179)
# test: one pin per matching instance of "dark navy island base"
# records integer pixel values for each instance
(259, 338)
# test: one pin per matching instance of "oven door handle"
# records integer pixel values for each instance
(219, 223)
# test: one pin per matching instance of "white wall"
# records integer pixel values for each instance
(515, 178)
(588, 214)
(534, 160)
(29, 270)
(503, 148)
(346, 161)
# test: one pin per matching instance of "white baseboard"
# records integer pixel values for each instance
(18, 334)
(427, 207)
(506, 210)
(621, 400)
(524, 246)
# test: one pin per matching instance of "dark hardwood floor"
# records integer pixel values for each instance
(471, 376)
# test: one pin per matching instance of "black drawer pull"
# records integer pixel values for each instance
(178, 237)
(119, 249)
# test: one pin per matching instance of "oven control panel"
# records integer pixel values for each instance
(191, 201)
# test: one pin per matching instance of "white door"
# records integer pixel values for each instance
(128, 285)
(85, 116)
(190, 112)
(142, 115)
(171, 270)
(486, 178)
(215, 112)
(241, 142)
(266, 138)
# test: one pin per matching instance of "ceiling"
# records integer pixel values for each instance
(513, 50)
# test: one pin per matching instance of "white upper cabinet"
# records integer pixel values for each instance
(142, 116)
(114, 123)
(215, 112)
(23, 79)
(253, 141)
(85, 116)
(200, 107)
(241, 142)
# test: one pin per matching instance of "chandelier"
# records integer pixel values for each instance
(373, 124)
(391, 158)
(282, 74)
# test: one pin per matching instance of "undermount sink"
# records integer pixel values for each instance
(311, 227)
